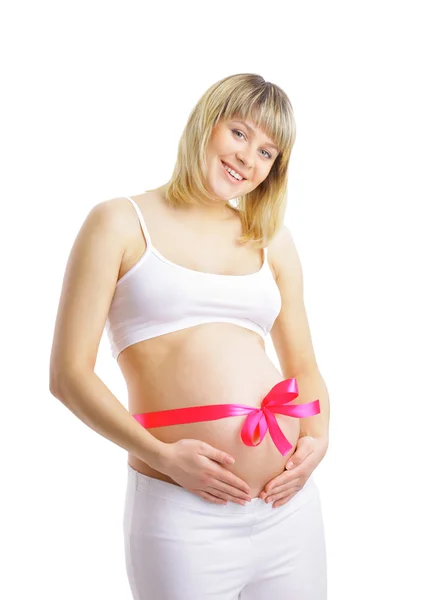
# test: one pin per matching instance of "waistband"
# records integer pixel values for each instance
(179, 495)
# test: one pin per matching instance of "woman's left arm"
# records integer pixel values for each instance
(292, 341)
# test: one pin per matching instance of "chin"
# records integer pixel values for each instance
(219, 195)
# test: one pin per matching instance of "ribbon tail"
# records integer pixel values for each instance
(282, 443)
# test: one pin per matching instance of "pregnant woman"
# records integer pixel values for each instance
(188, 285)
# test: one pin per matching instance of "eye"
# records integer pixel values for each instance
(241, 133)
(238, 131)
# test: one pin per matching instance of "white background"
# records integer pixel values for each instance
(95, 97)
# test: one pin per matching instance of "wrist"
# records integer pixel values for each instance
(321, 440)
(318, 435)
(158, 457)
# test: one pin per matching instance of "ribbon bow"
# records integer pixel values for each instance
(258, 420)
(262, 419)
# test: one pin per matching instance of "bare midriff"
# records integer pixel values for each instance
(213, 363)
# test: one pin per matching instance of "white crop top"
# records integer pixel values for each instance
(157, 296)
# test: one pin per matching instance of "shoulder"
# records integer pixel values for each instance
(283, 254)
(118, 216)
(111, 213)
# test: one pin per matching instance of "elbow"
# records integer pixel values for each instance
(59, 381)
(56, 371)
(54, 383)
(63, 373)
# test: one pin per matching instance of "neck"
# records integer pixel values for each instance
(216, 210)
(220, 211)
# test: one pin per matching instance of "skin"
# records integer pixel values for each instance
(241, 145)
(157, 375)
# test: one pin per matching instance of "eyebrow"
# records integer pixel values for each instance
(253, 131)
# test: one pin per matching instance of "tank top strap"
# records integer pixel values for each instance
(142, 221)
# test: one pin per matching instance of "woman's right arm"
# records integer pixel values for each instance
(88, 287)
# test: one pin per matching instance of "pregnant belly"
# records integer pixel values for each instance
(219, 370)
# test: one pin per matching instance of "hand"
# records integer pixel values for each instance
(308, 453)
(198, 467)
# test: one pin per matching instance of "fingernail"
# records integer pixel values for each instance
(290, 465)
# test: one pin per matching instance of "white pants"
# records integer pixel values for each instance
(181, 547)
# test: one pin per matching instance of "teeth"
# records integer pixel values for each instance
(233, 173)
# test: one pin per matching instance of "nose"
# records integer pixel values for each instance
(245, 159)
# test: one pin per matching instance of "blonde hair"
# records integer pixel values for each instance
(246, 95)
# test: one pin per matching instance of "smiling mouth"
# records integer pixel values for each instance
(234, 179)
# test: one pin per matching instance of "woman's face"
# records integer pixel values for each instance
(244, 148)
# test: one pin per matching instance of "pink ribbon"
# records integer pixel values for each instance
(258, 420)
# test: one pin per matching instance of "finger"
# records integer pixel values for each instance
(232, 481)
(283, 501)
(294, 484)
(280, 489)
(283, 479)
(228, 491)
(229, 498)
(215, 454)
(300, 455)
(210, 497)
(274, 483)
(281, 495)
